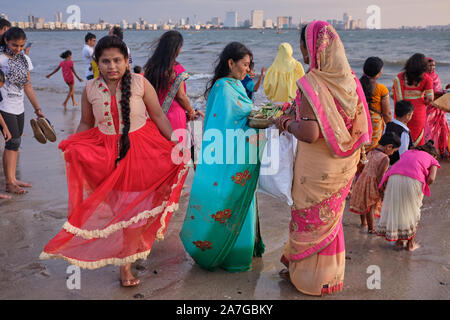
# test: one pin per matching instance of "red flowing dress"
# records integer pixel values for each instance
(116, 213)
(415, 95)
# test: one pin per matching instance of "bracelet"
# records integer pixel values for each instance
(283, 122)
(288, 123)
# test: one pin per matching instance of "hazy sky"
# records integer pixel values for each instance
(394, 13)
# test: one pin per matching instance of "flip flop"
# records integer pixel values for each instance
(38, 134)
(47, 128)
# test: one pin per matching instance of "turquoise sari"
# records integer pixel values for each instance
(221, 228)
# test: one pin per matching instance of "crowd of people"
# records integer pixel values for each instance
(124, 184)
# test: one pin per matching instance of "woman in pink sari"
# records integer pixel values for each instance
(436, 126)
(168, 78)
(332, 124)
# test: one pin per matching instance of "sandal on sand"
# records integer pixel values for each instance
(47, 128)
(38, 134)
(129, 283)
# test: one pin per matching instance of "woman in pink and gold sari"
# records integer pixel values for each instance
(332, 123)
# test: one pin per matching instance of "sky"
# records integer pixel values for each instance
(394, 13)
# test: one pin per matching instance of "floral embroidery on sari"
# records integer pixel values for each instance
(241, 177)
(222, 216)
(203, 245)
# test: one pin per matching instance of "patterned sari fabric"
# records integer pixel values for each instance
(436, 127)
(414, 94)
(171, 107)
(376, 115)
(115, 213)
(324, 170)
(221, 224)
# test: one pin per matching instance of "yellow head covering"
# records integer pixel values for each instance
(280, 81)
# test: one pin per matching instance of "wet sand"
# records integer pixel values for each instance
(27, 223)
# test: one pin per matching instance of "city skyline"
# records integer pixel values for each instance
(393, 15)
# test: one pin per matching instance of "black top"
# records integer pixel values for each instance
(398, 130)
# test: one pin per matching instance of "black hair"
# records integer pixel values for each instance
(414, 68)
(390, 138)
(303, 34)
(4, 23)
(2, 76)
(89, 36)
(137, 69)
(159, 67)
(117, 31)
(108, 42)
(429, 148)
(13, 33)
(402, 108)
(372, 67)
(235, 51)
(65, 54)
(251, 65)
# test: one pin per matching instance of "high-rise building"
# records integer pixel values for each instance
(215, 21)
(4, 16)
(257, 19)
(268, 23)
(283, 22)
(59, 17)
(346, 19)
(360, 24)
(352, 24)
(31, 19)
(231, 19)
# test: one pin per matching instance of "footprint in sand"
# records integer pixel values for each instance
(52, 214)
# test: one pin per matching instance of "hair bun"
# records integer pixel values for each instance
(430, 142)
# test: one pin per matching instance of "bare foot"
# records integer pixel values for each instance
(64, 105)
(126, 277)
(5, 196)
(414, 246)
(23, 184)
(75, 104)
(285, 274)
(13, 188)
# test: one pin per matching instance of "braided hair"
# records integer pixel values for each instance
(108, 42)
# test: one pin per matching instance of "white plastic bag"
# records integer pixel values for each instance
(277, 171)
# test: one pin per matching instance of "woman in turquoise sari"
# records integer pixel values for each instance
(221, 226)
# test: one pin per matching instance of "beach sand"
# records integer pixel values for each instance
(29, 221)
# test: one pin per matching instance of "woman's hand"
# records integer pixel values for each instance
(6, 134)
(39, 113)
(199, 113)
(191, 114)
(281, 121)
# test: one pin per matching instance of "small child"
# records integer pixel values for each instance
(403, 113)
(366, 200)
(3, 126)
(68, 71)
(249, 85)
(138, 70)
(406, 183)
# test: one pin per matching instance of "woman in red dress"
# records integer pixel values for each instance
(415, 86)
(123, 181)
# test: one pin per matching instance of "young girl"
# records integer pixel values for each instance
(377, 98)
(407, 181)
(123, 184)
(366, 199)
(16, 66)
(3, 127)
(68, 71)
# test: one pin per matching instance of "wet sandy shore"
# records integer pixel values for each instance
(27, 223)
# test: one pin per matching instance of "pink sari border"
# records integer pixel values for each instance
(337, 202)
(328, 130)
